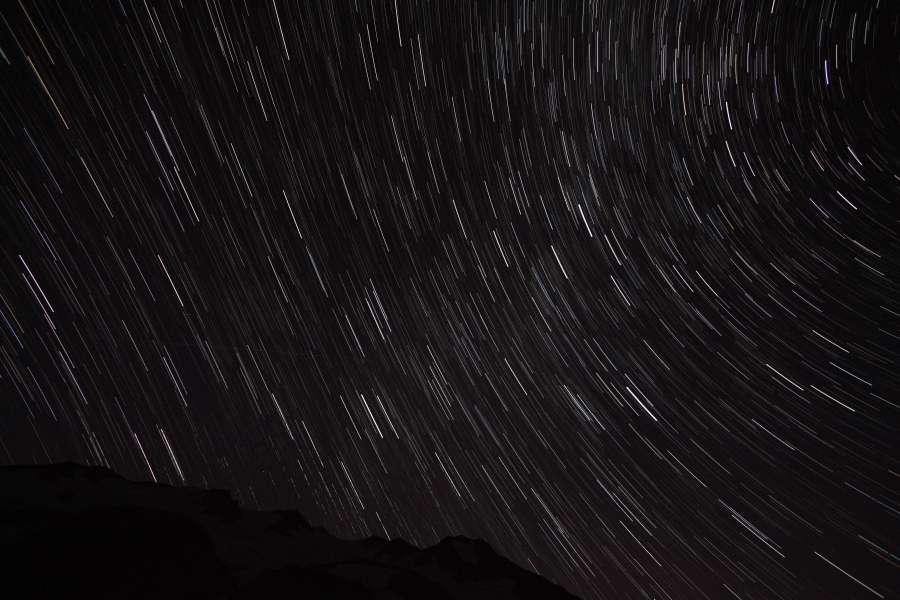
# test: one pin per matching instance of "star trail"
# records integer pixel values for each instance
(610, 285)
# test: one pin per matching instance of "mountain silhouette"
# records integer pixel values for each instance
(74, 531)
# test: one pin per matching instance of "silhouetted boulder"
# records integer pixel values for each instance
(219, 503)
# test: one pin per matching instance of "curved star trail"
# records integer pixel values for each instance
(613, 286)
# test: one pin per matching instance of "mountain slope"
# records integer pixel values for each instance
(73, 531)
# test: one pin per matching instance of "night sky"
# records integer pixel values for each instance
(612, 286)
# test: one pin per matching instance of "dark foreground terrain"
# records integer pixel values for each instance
(73, 531)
